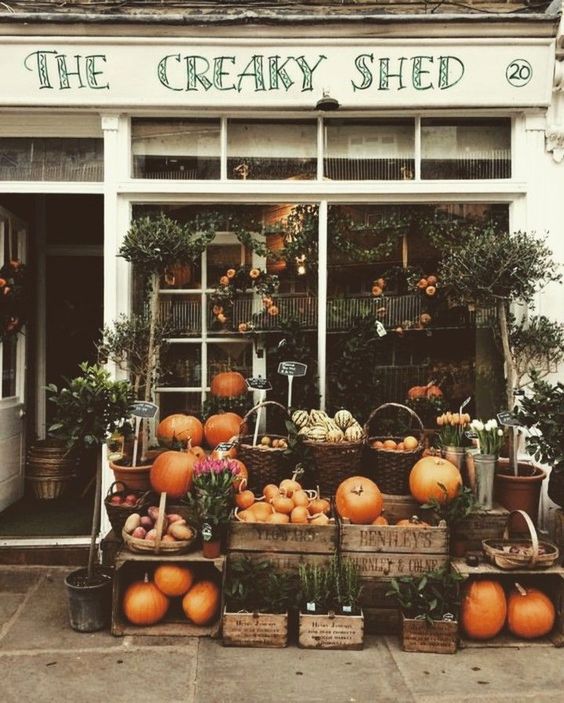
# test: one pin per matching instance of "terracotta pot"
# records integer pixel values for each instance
(521, 492)
(134, 477)
(211, 550)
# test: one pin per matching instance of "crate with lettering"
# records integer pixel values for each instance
(331, 631)
(255, 629)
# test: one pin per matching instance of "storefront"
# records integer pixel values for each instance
(314, 126)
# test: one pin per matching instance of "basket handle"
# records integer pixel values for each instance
(373, 414)
(120, 490)
(160, 523)
(262, 404)
(532, 531)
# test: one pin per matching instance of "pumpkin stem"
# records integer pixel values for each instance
(358, 490)
(520, 588)
(146, 578)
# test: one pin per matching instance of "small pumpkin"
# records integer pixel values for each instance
(143, 603)
(530, 612)
(483, 609)
(380, 520)
(300, 418)
(228, 384)
(180, 428)
(221, 428)
(413, 521)
(427, 476)
(201, 603)
(173, 580)
(171, 473)
(343, 419)
(417, 392)
(354, 433)
(359, 499)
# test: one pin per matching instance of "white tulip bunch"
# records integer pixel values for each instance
(490, 436)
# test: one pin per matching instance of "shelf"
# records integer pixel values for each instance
(484, 568)
(125, 555)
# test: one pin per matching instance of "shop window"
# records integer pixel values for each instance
(176, 149)
(230, 355)
(181, 366)
(271, 150)
(378, 150)
(173, 402)
(51, 159)
(465, 148)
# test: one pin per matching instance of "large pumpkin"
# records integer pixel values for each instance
(228, 384)
(144, 603)
(173, 579)
(483, 609)
(426, 476)
(221, 428)
(359, 499)
(171, 473)
(201, 603)
(530, 613)
(180, 428)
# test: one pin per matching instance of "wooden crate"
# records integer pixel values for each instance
(255, 629)
(550, 580)
(331, 631)
(480, 525)
(558, 529)
(131, 567)
(398, 507)
(440, 637)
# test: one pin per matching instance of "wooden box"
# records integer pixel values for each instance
(131, 567)
(558, 529)
(398, 507)
(480, 525)
(439, 637)
(331, 631)
(255, 629)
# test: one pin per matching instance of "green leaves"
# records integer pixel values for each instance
(256, 586)
(430, 595)
(330, 587)
(543, 411)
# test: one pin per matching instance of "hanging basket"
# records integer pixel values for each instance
(388, 468)
(118, 514)
(520, 553)
(266, 464)
(334, 462)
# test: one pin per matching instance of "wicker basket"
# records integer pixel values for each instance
(498, 551)
(334, 462)
(388, 468)
(49, 487)
(265, 464)
(145, 546)
(118, 514)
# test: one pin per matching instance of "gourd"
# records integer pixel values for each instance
(317, 433)
(144, 603)
(221, 428)
(180, 428)
(426, 476)
(335, 435)
(354, 433)
(530, 612)
(228, 384)
(359, 499)
(201, 603)
(173, 579)
(317, 417)
(343, 419)
(483, 609)
(300, 418)
(171, 473)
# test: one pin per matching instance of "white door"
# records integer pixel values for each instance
(13, 241)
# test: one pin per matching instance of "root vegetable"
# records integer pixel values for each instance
(244, 499)
(151, 535)
(153, 513)
(299, 515)
(278, 519)
(288, 486)
(174, 517)
(147, 523)
(319, 519)
(319, 505)
(180, 532)
(300, 498)
(132, 523)
(139, 532)
(283, 504)
(168, 538)
(270, 491)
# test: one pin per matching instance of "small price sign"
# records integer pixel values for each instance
(471, 434)
(292, 368)
(380, 329)
(507, 419)
(144, 409)
(258, 383)
(223, 447)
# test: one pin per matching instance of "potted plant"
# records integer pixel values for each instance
(542, 410)
(452, 437)
(490, 441)
(88, 410)
(330, 614)
(454, 512)
(429, 607)
(257, 600)
(211, 500)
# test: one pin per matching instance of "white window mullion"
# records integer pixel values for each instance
(320, 148)
(204, 345)
(322, 304)
(417, 148)
(223, 149)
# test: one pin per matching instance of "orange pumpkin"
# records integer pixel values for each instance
(413, 521)
(530, 612)
(171, 473)
(417, 392)
(201, 603)
(426, 476)
(173, 580)
(228, 384)
(143, 603)
(359, 499)
(434, 392)
(221, 428)
(380, 520)
(483, 609)
(180, 428)
(198, 452)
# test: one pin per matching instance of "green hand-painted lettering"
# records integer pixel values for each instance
(418, 71)
(195, 76)
(278, 73)
(308, 70)
(364, 70)
(255, 70)
(41, 67)
(92, 74)
(219, 73)
(162, 70)
(385, 74)
(64, 73)
(447, 73)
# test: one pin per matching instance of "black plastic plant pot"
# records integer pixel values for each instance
(90, 605)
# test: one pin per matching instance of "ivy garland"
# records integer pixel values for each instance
(13, 299)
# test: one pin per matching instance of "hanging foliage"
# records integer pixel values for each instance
(13, 298)
(237, 282)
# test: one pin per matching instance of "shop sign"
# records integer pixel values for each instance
(239, 73)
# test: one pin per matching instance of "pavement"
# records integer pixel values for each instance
(42, 659)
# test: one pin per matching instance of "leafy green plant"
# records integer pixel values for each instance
(336, 587)
(256, 586)
(537, 343)
(453, 511)
(430, 596)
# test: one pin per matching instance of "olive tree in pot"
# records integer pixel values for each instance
(88, 410)
(491, 267)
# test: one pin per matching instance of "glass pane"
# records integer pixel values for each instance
(379, 150)
(271, 150)
(466, 149)
(183, 313)
(225, 256)
(36, 159)
(175, 149)
(181, 366)
(189, 403)
(230, 356)
(8, 348)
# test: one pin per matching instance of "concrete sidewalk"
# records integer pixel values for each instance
(42, 659)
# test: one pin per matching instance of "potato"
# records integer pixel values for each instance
(174, 517)
(153, 513)
(132, 523)
(147, 523)
(151, 535)
(139, 533)
(180, 532)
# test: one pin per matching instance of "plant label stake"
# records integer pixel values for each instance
(380, 329)
(291, 369)
(141, 410)
(223, 447)
(464, 404)
(263, 385)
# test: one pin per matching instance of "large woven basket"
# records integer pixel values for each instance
(532, 554)
(334, 462)
(118, 514)
(388, 468)
(265, 464)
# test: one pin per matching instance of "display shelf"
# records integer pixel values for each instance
(486, 569)
(126, 555)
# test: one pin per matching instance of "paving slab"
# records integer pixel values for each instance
(482, 674)
(92, 677)
(44, 623)
(14, 580)
(292, 674)
(9, 603)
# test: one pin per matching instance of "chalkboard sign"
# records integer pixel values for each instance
(471, 434)
(144, 409)
(380, 329)
(292, 368)
(259, 384)
(507, 419)
(223, 447)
